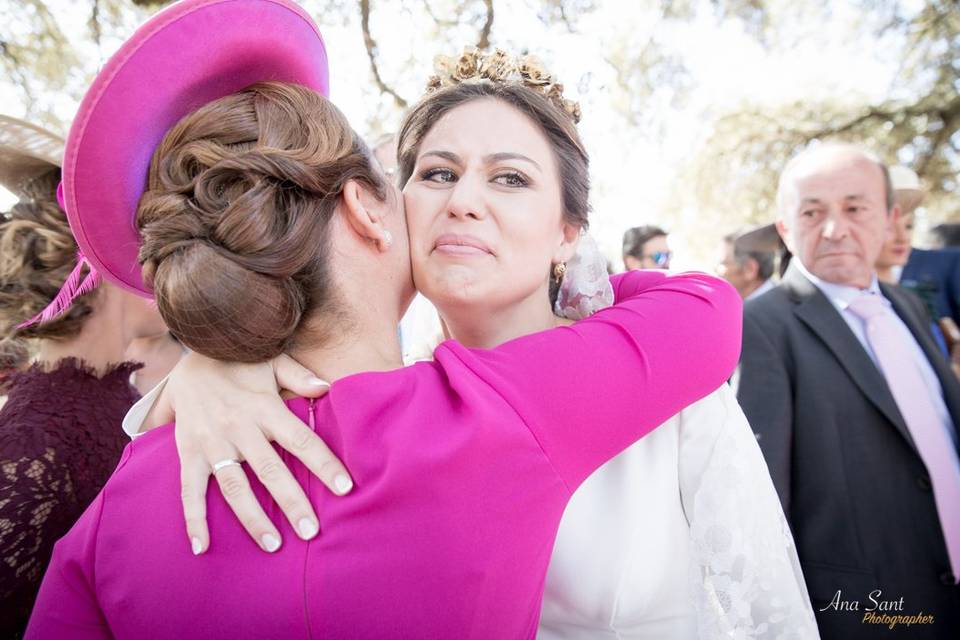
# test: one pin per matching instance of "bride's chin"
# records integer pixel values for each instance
(452, 288)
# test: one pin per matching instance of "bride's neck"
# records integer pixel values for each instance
(483, 327)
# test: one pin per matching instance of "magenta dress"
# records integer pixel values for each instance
(462, 467)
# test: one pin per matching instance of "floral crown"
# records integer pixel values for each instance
(499, 67)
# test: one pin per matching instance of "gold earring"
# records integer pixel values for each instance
(558, 270)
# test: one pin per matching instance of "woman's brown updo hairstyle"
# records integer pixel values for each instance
(37, 253)
(235, 219)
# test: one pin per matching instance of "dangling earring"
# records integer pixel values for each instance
(558, 270)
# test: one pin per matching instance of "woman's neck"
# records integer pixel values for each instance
(102, 342)
(375, 347)
(885, 274)
(488, 328)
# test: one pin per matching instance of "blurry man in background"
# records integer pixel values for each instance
(749, 260)
(646, 247)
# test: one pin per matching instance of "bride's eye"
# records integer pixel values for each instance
(511, 179)
(438, 175)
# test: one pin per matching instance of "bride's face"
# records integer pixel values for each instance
(484, 208)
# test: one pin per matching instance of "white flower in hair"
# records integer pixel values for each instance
(585, 288)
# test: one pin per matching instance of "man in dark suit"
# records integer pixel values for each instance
(856, 411)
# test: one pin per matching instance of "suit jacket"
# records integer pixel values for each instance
(856, 493)
(935, 277)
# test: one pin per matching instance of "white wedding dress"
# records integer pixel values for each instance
(679, 537)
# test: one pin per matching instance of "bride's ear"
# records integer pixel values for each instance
(568, 243)
(364, 215)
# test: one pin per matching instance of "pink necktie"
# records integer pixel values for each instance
(912, 396)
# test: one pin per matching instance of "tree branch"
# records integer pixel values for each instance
(371, 47)
(438, 21)
(95, 22)
(946, 112)
(950, 122)
(484, 41)
(16, 68)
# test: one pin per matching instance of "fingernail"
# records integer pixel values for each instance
(269, 542)
(342, 483)
(317, 382)
(387, 238)
(196, 546)
(308, 528)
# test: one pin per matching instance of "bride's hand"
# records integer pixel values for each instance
(230, 411)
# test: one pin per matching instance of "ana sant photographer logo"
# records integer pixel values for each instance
(877, 610)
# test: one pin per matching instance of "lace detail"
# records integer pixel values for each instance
(586, 285)
(745, 574)
(60, 440)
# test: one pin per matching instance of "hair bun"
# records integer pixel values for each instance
(224, 310)
(234, 221)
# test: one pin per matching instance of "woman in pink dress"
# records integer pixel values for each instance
(266, 227)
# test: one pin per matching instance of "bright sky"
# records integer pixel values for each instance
(632, 170)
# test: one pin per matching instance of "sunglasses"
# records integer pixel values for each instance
(660, 258)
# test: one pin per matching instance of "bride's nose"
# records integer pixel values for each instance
(466, 199)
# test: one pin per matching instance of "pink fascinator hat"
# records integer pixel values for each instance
(187, 55)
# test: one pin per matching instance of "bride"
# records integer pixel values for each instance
(681, 536)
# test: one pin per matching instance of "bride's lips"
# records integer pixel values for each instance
(453, 244)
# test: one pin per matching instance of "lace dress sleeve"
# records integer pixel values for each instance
(745, 576)
(37, 492)
(60, 439)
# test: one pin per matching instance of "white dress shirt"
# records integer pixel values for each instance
(762, 289)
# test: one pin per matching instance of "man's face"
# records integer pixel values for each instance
(730, 270)
(835, 217)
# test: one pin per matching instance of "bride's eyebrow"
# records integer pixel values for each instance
(446, 155)
(500, 157)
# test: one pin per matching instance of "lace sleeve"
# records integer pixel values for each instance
(34, 492)
(59, 442)
(745, 574)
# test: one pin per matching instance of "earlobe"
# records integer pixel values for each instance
(364, 221)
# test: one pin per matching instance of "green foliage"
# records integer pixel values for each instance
(731, 179)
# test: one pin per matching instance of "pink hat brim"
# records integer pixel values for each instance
(189, 54)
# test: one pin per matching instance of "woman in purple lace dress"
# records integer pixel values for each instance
(60, 435)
